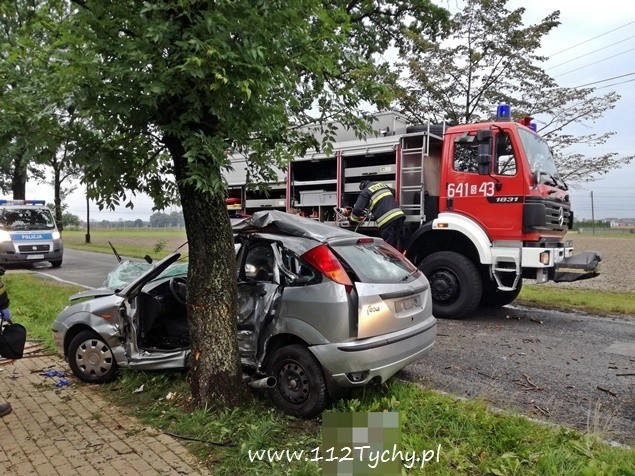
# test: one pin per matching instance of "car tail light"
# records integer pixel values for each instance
(323, 259)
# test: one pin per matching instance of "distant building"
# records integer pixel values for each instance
(623, 223)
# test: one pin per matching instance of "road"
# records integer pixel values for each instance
(569, 368)
(86, 268)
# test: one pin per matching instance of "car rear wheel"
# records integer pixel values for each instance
(91, 359)
(301, 388)
(455, 284)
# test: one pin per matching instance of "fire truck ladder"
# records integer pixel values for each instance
(415, 147)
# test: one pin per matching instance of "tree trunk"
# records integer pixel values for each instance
(215, 370)
(18, 181)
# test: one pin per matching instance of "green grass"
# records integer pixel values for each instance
(35, 303)
(132, 242)
(596, 302)
(473, 439)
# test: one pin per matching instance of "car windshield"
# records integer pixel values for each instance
(377, 263)
(128, 271)
(538, 153)
(24, 219)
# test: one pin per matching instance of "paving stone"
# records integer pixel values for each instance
(73, 431)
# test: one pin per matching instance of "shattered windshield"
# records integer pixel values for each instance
(128, 271)
(24, 219)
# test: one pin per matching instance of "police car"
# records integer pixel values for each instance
(28, 233)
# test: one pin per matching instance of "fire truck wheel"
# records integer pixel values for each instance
(493, 297)
(455, 284)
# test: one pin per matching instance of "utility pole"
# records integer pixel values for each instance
(592, 214)
(87, 217)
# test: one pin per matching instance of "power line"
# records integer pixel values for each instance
(605, 80)
(593, 64)
(590, 53)
(590, 39)
(615, 84)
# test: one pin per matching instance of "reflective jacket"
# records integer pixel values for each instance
(380, 201)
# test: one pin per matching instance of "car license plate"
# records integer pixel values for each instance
(35, 257)
(407, 304)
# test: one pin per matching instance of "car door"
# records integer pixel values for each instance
(258, 290)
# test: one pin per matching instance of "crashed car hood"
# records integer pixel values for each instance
(92, 293)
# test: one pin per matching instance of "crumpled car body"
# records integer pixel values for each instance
(320, 310)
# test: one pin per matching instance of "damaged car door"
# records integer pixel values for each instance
(258, 293)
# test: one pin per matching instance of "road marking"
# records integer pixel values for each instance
(63, 280)
(622, 348)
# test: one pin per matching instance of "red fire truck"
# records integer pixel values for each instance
(485, 206)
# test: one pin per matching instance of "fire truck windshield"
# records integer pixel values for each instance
(538, 154)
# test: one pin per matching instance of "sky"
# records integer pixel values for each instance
(595, 43)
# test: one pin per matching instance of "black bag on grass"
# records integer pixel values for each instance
(12, 340)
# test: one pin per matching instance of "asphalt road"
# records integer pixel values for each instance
(85, 268)
(566, 368)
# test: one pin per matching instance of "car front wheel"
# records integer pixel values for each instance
(91, 359)
(301, 388)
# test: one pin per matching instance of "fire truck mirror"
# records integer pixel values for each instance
(484, 158)
(484, 135)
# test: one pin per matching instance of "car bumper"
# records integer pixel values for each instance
(354, 364)
(12, 257)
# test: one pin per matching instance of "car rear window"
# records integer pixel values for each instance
(377, 263)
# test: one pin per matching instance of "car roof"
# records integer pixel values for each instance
(294, 230)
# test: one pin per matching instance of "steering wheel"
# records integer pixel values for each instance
(178, 288)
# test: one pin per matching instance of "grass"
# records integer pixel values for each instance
(132, 242)
(35, 303)
(473, 439)
(596, 302)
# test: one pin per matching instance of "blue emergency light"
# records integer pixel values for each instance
(503, 112)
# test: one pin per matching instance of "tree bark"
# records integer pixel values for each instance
(18, 181)
(215, 371)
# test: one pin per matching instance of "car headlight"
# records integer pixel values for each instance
(4, 236)
(56, 235)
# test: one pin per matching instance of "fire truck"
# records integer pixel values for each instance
(485, 206)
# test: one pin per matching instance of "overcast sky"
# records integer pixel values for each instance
(594, 43)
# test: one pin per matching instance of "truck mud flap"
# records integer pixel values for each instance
(582, 266)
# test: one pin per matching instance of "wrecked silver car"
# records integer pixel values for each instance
(320, 309)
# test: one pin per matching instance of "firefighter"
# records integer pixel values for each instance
(379, 199)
